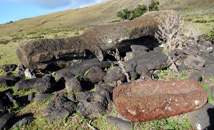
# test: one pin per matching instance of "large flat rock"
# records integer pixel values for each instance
(152, 100)
(38, 54)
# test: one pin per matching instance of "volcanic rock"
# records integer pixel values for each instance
(194, 62)
(121, 124)
(150, 61)
(203, 118)
(25, 84)
(114, 75)
(152, 100)
(95, 74)
(8, 80)
(80, 68)
(94, 104)
(8, 67)
(5, 120)
(45, 84)
(73, 85)
(59, 108)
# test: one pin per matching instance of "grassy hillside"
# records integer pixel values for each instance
(73, 22)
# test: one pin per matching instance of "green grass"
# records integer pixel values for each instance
(166, 124)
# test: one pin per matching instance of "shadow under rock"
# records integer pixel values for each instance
(211, 118)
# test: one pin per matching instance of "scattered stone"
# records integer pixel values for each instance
(209, 60)
(41, 97)
(95, 74)
(8, 80)
(29, 74)
(207, 72)
(152, 100)
(133, 54)
(8, 67)
(20, 71)
(45, 84)
(114, 75)
(72, 98)
(203, 118)
(194, 62)
(73, 85)
(206, 43)
(119, 123)
(99, 88)
(25, 120)
(81, 96)
(139, 48)
(95, 104)
(195, 76)
(182, 67)
(5, 120)
(31, 96)
(150, 61)
(11, 98)
(188, 51)
(203, 48)
(133, 75)
(2, 107)
(25, 84)
(59, 108)
(80, 68)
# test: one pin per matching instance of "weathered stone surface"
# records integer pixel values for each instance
(20, 71)
(59, 108)
(194, 62)
(207, 72)
(139, 48)
(195, 76)
(25, 120)
(114, 75)
(80, 68)
(45, 84)
(121, 124)
(31, 96)
(41, 97)
(152, 100)
(5, 120)
(8, 67)
(38, 54)
(95, 74)
(132, 54)
(94, 104)
(149, 61)
(73, 85)
(8, 80)
(25, 84)
(202, 119)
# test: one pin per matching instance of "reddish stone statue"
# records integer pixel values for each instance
(152, 100)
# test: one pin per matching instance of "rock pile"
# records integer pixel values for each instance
(91, 77)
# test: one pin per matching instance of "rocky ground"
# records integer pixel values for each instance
(146, 87)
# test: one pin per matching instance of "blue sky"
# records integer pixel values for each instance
(13, 10)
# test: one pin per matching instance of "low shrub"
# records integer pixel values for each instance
(200, 21)
(127, 14)
(4, 42)
(210, 36)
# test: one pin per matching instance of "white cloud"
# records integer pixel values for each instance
(52, 4)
